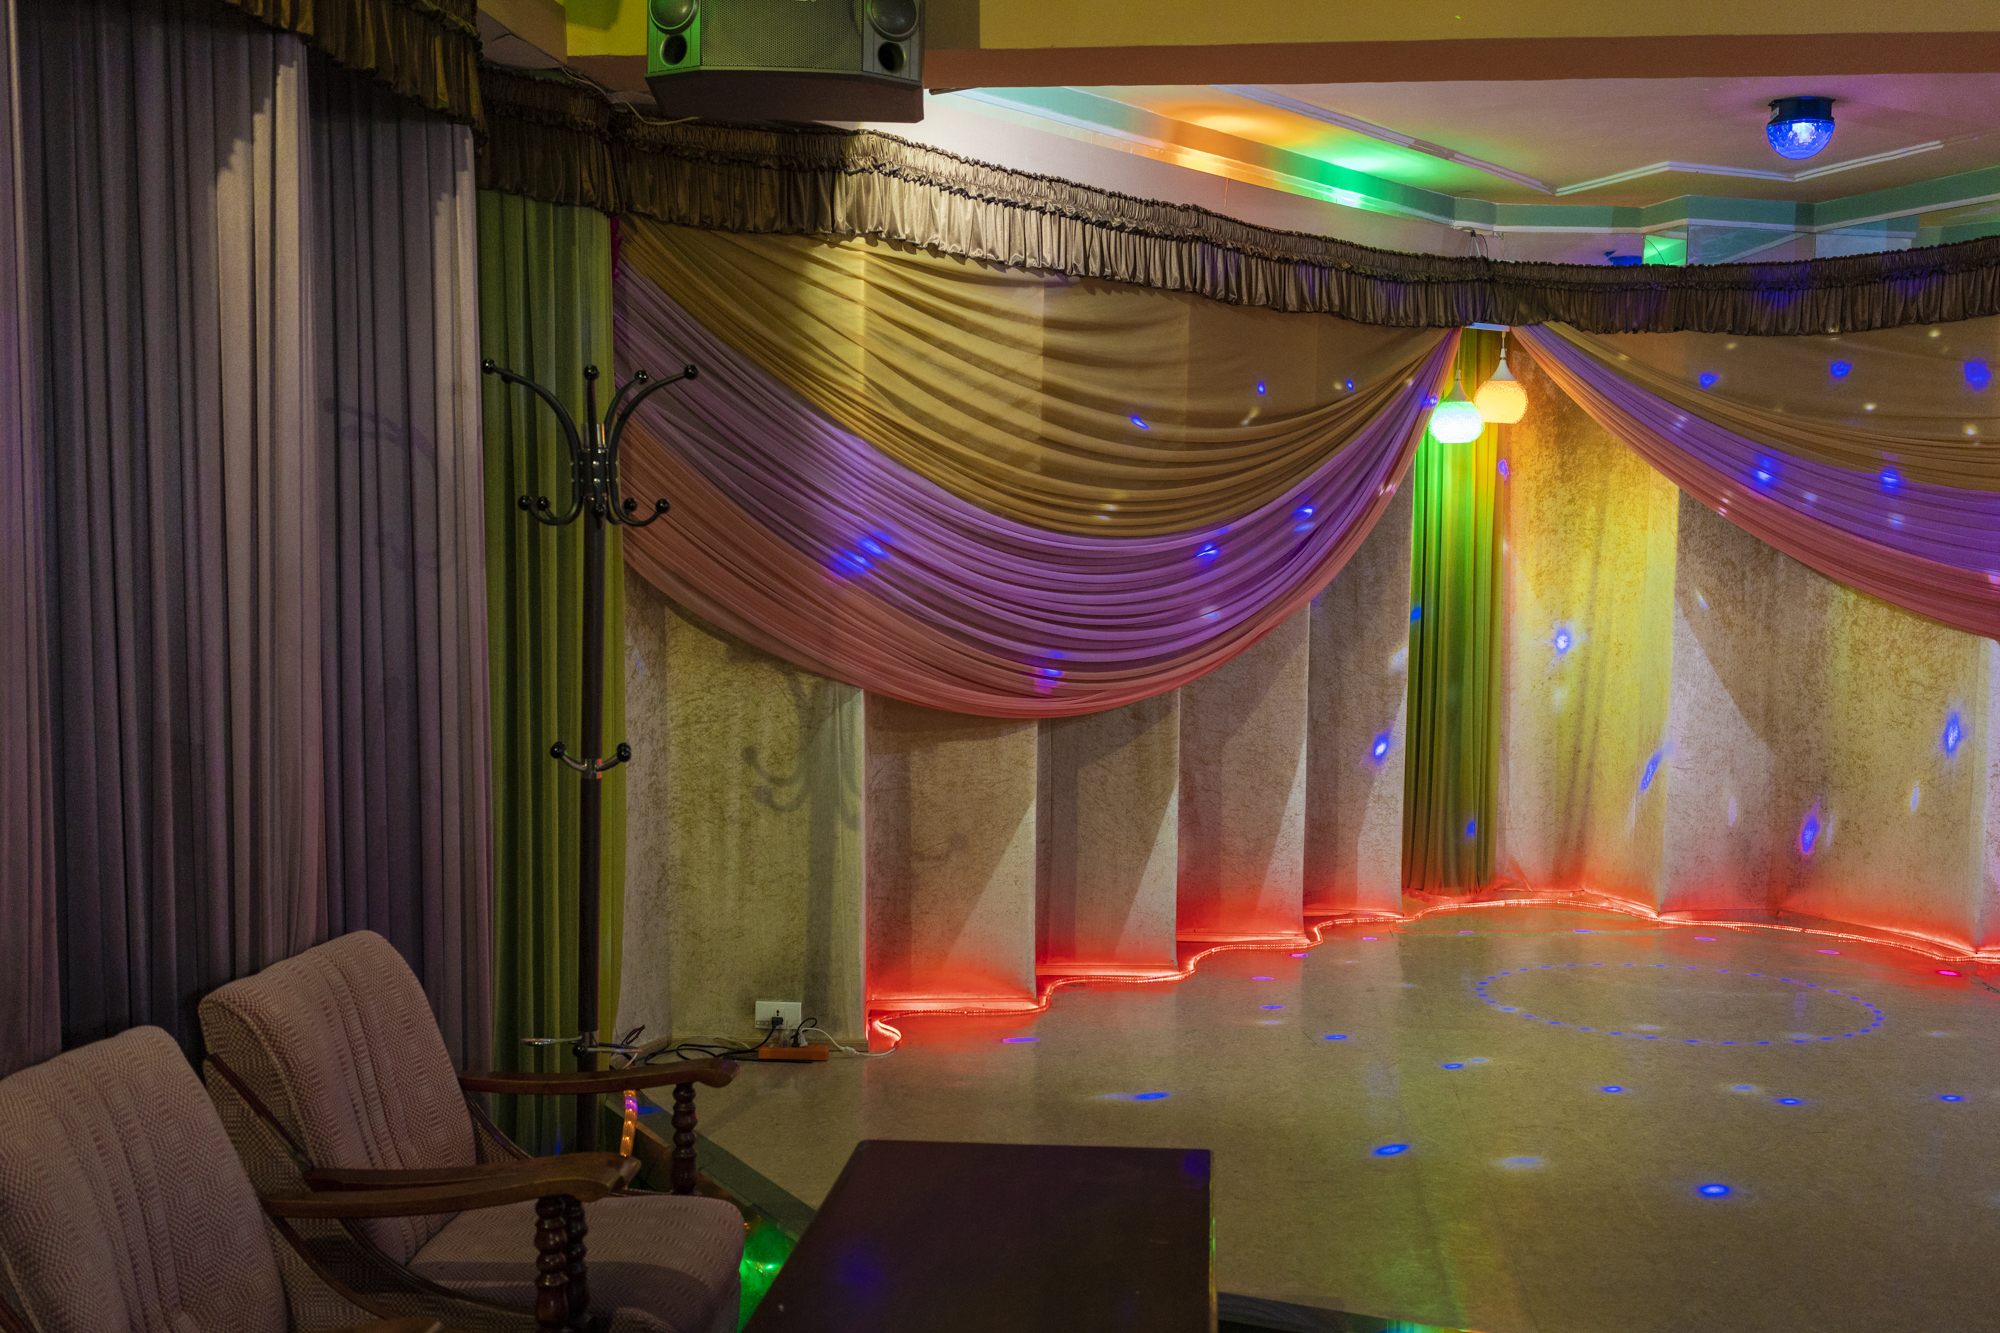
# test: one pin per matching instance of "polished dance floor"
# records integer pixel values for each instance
(1510, 1120)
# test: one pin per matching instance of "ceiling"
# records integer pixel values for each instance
(1609, 141)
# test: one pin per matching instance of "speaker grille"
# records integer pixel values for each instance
(780, 34)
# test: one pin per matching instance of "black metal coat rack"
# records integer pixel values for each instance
(596, 497)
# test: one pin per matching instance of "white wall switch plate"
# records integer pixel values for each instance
(790, 1012)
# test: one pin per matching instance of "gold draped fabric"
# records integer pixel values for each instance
(563, 143)
(1070, 404)
(1919, 399)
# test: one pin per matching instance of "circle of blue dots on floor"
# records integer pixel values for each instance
(1483, 990)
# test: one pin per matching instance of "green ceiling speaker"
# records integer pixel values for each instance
(753, 60)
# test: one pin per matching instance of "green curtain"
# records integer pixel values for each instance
(544, 312)
(1451, 773)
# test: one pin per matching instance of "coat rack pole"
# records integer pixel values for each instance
(596, 497)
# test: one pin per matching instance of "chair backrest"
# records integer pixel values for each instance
(122, 1204)
(341, 1046)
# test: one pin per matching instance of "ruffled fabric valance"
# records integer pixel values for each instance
(559, 142)
(796, 535)
(423, 50)
(1874, 460)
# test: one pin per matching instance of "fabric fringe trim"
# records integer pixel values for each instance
(563, 142)
(423, 50)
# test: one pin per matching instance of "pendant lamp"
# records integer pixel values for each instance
(1502, 401)
(1456, 420)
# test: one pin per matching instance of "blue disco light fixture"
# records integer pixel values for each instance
(1800, 126)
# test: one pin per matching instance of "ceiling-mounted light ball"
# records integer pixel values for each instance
(1800, 126)
(1456, 420)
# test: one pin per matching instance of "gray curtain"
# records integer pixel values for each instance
(253, 439)
(29, 1002)
(403, 582)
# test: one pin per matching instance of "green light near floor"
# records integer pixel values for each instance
(765, 1249)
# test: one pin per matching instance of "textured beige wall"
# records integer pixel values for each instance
(1107, 827)
(744, 847)
(1243, 791)
(1798, 699)
(1358, 690)
(951, 855)
(1590, 550)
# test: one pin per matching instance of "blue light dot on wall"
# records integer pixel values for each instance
(1380, 749)
(1891, 479)
(1652, 770)
(1977, 376)
(1208, 551)
(1350, 386)
(1503, 467)
(1708, 379)
(1562, 641)
(1139, 422)
(1839, 370)
(1765, 472)
(1714, 1191)
(1416, 613)
(1472, 827)
(1954, 732)
(1303, 511)
(1260, 386)
(1808, 834)
(1392, 1149)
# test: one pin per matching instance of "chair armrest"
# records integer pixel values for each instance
(333, 1178)
(396, 1326)
(583, 1083)
(582, 1176)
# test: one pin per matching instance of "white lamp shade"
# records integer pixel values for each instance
(1456, 420)
(1502, 401)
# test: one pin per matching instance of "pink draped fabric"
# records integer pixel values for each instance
(804, 540)
(1934, 550)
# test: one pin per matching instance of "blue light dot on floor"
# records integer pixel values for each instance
(1744, 1087)
(1789, 1101)
(1951, 1097)
(1714, 1191)
(1270, 1006)
(1456, 1064)
(1335, 1036)
(1148, 1096)
(1014, 1040)
(1520, 1163)
(1392, 1149)
(1611, 1087)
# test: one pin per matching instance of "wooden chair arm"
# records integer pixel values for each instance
(583, 1083)
(484, 1173)
(582, 1176)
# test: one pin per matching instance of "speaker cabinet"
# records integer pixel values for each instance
(787, 59)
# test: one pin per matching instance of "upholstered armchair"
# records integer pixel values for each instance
(330, 1075)
(124, 1209)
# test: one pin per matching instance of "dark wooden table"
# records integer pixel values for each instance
(1006, 1238)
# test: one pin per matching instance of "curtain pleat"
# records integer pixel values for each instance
(402, 578)
(1451, 773)
(426, 51)
(222, 417)
(184, 633)
(544, 312)
(30, 1000)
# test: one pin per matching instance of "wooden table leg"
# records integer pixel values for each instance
(552, 1263)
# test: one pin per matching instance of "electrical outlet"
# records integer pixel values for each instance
(790, 1012)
